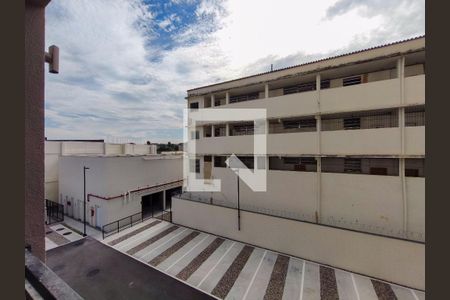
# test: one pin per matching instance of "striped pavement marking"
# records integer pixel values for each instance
(259, 285)
(233, 270)
(213, 277)
(328, 285)
(140, 237)
(311, 284)
(293, 279)
(134, 232)
(383, 290)
(174, 248)
(275, 288)
(151, 240)
(225, 283)
(174, 264)
(246, 276)
(345, 286)
(193, 266)
(209, 264)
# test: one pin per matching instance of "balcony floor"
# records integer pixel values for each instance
(229, 269)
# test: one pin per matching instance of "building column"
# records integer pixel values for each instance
(212, 130)
(227, 98)
(227, 129)
(319, 169)
(401, 120)
(266, 90)
(212, 100)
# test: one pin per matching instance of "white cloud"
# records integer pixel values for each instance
(111, 83)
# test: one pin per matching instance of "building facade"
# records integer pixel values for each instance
(345, 154)
(54, 149)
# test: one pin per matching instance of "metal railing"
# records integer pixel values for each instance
(54, 212)
(129, 221)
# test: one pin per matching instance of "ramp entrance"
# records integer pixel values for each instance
(152, 205)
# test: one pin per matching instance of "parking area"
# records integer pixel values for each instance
(229, 269)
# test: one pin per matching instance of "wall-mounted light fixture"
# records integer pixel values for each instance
(52, 58)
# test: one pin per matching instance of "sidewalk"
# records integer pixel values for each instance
(77, 225)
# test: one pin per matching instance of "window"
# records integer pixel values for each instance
(369, 166)
(292, 125)
(219, 130)
(207, 158)
(361, 120)
(195, 165)
(207, 131)
(195, 135)
(352, 123)
(305, 123)
(303, 87)
(325, 84)
(219, 162)
(246, 97)
(242, 129)
(352, 165)
(194, 105)
(248, 161)
(415, 167)
(415, 116)
(351, 80)
(305, 164)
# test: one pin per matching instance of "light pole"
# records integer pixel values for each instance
(84, 203)
(238, 201)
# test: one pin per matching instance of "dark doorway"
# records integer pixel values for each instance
(169, 194)
(152, 205)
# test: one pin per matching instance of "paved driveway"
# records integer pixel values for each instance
(229, 269)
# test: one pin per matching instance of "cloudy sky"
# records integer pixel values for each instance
(125, 65)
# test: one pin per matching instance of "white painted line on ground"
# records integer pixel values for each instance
(186, 253)
(165, 243)
(303, 280)
(354, 286)
(140, 237)
(254, 276)
(414, 294)
(218, 262)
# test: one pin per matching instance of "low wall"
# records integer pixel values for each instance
(393, 260)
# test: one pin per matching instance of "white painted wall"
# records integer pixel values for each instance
(415, 140)
(55, 149)
(111, 176)
(393, 260)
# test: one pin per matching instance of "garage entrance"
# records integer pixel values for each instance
(169, 194)
(152, 205)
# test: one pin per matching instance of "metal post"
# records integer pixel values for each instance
(84, 198)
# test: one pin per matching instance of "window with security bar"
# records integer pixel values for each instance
(242, 129)
(369, 166)
(292, 125)
(360, 120)
(352, 80)
(305, 164)
(299, 88)
(415, 116)
(245, 97)
(219, 130)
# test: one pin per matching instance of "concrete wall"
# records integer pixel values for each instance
(370, 203)
(393, 260)
(112, 176)
(55, 149)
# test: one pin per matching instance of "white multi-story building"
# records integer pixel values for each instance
(345, 162)
(123, 180)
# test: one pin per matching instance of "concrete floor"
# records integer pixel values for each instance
(58, 234)
(96, 271)
(229, 269)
